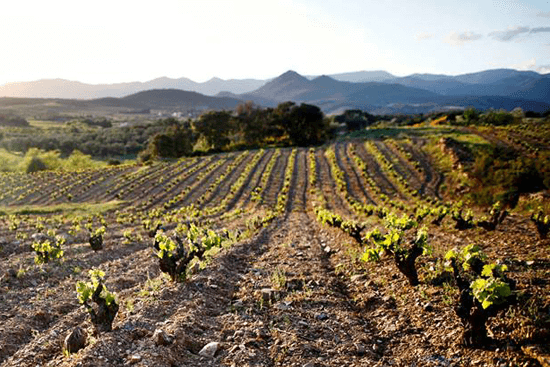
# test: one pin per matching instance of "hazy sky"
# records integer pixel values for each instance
(121, 41)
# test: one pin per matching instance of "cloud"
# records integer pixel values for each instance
(539, 30)
(509, 34)
(530, 64)
(513, 32)
(458, 39)
(526, 65)
(422, 36)
(543, 14)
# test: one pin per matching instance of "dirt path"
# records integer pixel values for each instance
(276, 178)
(297, 196)
(272, 300)
(353, 179)
(328, 186)
(291, 308)
(376, 172)
(432, 178)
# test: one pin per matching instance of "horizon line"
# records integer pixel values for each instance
(259, 79)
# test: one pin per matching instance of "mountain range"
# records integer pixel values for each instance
(61, 88)
(503, 88)
(375, 91)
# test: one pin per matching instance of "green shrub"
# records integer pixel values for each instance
(36, 164)
(497, 118)
(502, 174)
(78, 160)
(175, 256)
(542, 222)
(95, 291)
(484, 290)
(470, 115)
(393, 243)
(48, 250)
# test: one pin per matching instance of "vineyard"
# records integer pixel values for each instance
(356, 253)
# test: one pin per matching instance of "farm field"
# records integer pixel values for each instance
(287, 284)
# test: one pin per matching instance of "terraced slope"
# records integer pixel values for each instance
(284, 290)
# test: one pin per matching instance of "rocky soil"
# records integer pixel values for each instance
(293, 293)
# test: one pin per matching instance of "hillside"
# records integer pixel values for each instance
(293, 86)
(377, 92)
(526, 85)
(275, 258)
(170, 99)
(420, 94)
(66, 89)
(501, 82)
(167, 100)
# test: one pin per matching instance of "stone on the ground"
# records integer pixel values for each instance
(269, 294)
(209, 350)
(135, 358)
(75, 341)
(161, 338)
(357, 278)
(321, 316)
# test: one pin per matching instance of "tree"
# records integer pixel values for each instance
(250, 122)
(215, 127)
(355, 119)
(176, 141)
(16, 121)
(36, 164)
(471, 115)
(497, 118)
(304, 125)
(79, 160)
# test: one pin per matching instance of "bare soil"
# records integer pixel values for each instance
(293, 294)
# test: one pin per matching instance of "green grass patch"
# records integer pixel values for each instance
(46, 124)
(473, 142)
(48, 160)
(65, 208)
(9, 162)
(427, 132)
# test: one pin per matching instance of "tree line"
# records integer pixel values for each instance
(13, 121)
(97, 141)
(249, 126)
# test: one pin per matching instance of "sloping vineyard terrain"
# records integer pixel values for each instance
(291, 257)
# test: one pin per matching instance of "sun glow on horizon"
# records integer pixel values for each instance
(122, 41)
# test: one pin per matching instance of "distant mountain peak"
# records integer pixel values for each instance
(285, 86)
(290, 75)
(363, 76)
(324, 77)
(290, 72)
(327, 82)
(215, 79)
